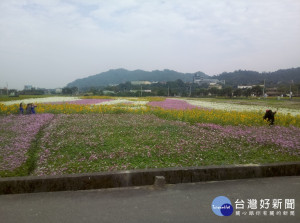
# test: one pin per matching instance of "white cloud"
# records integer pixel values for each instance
(52, 42)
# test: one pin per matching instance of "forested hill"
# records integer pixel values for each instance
(241, 77)
(121, 75)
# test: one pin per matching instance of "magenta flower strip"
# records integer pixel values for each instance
(286, 138)
(16, 134)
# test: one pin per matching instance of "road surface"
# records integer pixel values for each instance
(175, 203)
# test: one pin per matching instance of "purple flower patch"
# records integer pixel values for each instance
(286, 138)
(172, 104)
(17, 133)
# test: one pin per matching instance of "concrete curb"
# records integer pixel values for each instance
(33, 184)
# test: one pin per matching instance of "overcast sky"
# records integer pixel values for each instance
(49, 43)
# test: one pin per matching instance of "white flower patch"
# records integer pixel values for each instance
(139, 102)
(236, 107)
(42, 100)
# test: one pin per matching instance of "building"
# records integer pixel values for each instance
(3, 91)
(13, 93)
(140, 82)
(108, 92)
(134, 91)
(273, 92)
(214, 85)
(58, 90)
(248, 86)
(198, 79)
(244, 87)
(28, 87)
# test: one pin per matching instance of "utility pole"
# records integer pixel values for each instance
(190, 90)
(6, 88)
(264, 87)
(141, 91)
(291, 89)
(168, 91)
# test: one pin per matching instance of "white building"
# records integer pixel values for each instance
(140, 82)
(197, 79)
(58, 90)
(248, 86)
(214, 85)
(244, 87)
(134, 91)
(28, 87)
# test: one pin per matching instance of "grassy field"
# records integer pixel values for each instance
(79, 143)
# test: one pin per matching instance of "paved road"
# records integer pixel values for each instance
(175, 203)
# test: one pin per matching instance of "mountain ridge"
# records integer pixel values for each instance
(238, 77)
(121, 75)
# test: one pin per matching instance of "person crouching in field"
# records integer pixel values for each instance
(30, 109)
(21, 108)
(270, 116)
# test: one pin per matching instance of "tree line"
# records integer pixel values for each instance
(182, 89)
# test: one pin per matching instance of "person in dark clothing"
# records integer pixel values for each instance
(270, 116)
(32, 108)
(28, 109)
(21, 108)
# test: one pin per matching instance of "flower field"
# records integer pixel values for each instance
(89, 143)
(41, 100)
(172, 104)
(91, 134)
(82, 101)
(17, 135)
(171, 109)
(241, 107)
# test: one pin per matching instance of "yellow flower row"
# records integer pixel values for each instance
(193, 116)
(226, 117)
